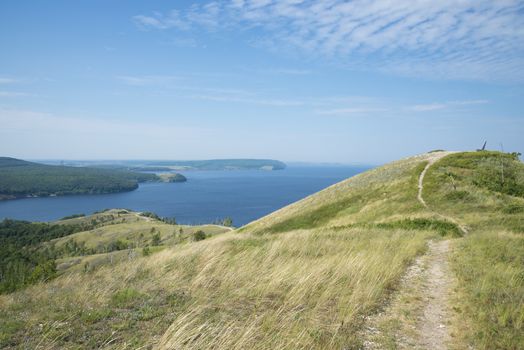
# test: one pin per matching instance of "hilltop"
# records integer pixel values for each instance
(424, 252)
(19, 178)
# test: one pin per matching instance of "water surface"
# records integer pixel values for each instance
(243, 195)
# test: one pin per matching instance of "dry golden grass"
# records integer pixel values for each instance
(308, 287)
(304, 277)
(302, 289)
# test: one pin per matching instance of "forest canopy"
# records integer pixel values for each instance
(19, 178)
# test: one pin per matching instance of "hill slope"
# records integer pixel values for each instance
(347, 267)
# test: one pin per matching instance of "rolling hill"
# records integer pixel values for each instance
(424, 252)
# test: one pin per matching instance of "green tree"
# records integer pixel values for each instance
(228, 222)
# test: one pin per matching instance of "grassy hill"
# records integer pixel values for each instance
(346, 268)
(20, 178)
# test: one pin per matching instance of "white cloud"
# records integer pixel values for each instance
(467, 39)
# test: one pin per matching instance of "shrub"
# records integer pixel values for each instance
(155, 241)
(199, 235)
(146, 251)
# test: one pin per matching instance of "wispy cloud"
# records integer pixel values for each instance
(426, 107)
(207, 93)
(148, 79)
(28, 120)
(248, 100)
(8, 80)
(468, 39)
(381, 107)
(13, 94)
(287, 71)
(439, 106)
(351, 111)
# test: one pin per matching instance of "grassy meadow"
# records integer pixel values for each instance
(485, 191)
(304, 277)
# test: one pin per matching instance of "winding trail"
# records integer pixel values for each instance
(417, 316)
(431, 160)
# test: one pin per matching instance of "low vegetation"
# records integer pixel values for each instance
(484, 190)
(34, 252)
(307, 276)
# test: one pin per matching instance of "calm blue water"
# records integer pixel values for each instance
(243, 195)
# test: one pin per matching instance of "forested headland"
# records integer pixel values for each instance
(19, 178)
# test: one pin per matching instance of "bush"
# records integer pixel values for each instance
(43, 272)
(146, 251)
(155, 241)
(199, 235)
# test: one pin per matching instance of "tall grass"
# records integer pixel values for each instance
(303, 289)
(304, 277)
(490, 270)
(489, 262)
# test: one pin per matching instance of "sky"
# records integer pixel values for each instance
(295, 80)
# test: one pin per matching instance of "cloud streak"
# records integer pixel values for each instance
(13, 94)
(7, 81)
(468, 39)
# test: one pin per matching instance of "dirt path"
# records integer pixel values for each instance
(434, 331)
(417, 316)
(431, 160)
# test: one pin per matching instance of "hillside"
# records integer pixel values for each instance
(425, 252)
(169, 165)
(20, 178)
(222, 164)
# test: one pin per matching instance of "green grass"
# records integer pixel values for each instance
(490, 269)
(444, 228)
(304, 277)
(489, 262)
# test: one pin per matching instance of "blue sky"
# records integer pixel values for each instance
(321, 81)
